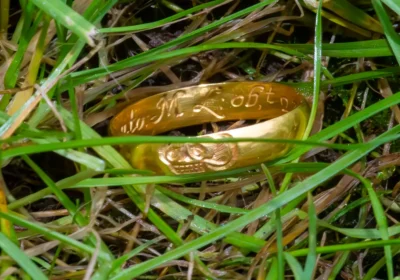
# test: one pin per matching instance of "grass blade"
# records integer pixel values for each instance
(295, 266)
(19, 257)
(37, 227)
(312, 243)
(393, 4)
(391, 35)
(168, 20)
(370, 48)
(63, 14)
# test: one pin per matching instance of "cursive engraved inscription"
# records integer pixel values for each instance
(168, 106)
(216, 91)
(134, 124)
(285, 103)
(250, 100)
(254, 95)
(197, 158)
(269, 93)
(237, 101)
(199, 108)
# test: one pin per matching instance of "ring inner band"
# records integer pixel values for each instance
(285, 109)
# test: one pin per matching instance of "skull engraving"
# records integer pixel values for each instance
(197, 158)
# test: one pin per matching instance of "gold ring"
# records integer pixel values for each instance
(286, 112)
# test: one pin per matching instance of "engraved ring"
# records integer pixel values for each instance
(284, 111)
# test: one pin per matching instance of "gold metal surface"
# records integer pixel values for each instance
(286, 112)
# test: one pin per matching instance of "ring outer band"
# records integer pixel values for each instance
(190, 158)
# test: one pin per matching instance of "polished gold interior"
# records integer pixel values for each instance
(205, 103)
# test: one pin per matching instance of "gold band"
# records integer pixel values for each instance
(286, 111)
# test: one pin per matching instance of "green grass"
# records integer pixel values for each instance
(70, 197)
